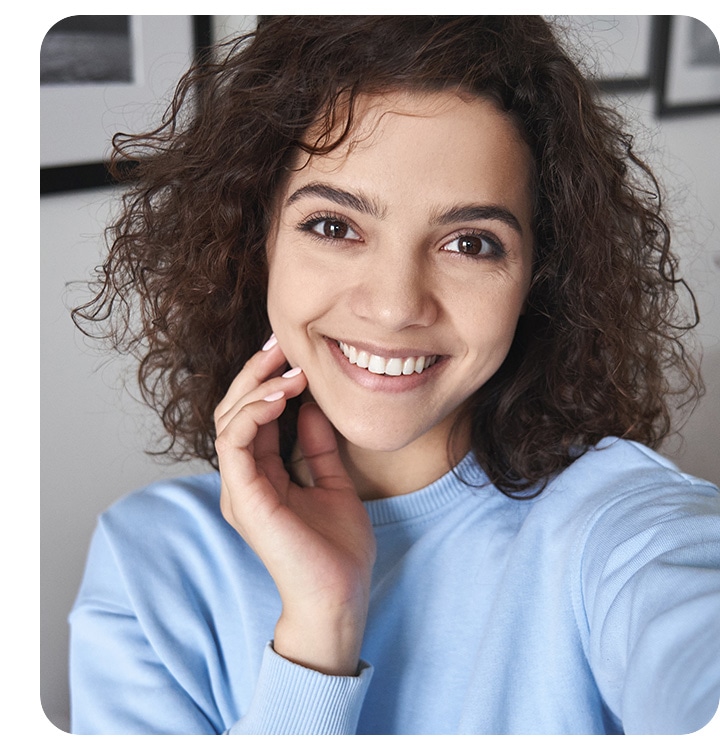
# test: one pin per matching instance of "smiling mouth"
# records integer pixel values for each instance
(393, 366)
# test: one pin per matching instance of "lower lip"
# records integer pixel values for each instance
(383, 383)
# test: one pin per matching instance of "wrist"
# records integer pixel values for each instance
(325, 642)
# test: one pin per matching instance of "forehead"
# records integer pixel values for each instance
(435, 147)
(371, 111)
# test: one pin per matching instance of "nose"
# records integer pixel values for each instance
(396, 290)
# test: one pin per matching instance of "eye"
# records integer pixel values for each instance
(474, 245)
(333, 229)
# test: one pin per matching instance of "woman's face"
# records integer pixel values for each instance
(399, 265)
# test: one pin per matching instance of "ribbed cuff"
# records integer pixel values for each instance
(291, 699)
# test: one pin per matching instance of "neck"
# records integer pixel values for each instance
(381, 474)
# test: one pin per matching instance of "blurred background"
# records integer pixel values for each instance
(663, 71)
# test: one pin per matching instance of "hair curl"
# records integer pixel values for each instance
(598, 352)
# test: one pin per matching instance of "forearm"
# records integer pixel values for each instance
(327, 640)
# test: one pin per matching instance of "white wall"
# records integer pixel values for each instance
(93, 439)
(688, 162)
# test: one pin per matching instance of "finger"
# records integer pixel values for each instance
(235, 443)
(290, 384)
(261, 366)
(266, 446)
(318, 444)
(241, 431)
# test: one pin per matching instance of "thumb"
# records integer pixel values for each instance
(318, 444)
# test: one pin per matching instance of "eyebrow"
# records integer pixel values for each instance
(475, 212)
(363, 204)
(354, 201)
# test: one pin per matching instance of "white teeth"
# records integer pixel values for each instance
(381, 366)
(394, 366)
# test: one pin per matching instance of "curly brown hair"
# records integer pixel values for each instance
(598, 351)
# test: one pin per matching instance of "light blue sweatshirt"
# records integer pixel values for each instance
(594, 608)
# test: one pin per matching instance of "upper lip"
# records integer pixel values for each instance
(387, 352)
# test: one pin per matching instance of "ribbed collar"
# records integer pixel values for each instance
(436, 495)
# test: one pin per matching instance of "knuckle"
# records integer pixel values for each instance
(222, 443)
(219, 410)
(226, 509)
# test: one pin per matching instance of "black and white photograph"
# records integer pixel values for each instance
(84, 49)
(617, 49)
(101, 75)
(688, 66)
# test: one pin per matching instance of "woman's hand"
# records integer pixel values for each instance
(316, 542)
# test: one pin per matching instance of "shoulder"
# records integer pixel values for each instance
(169, 508)
(191, 494)
(619, 469)
(624, 496)
(620, 488)
(171, 537)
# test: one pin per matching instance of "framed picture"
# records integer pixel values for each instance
(223, 28)
(105, 74)
(620, 48)
(687, 66)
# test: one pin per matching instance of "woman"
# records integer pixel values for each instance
(437, 509)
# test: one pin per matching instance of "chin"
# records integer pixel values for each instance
(377, 435)
(376, 443)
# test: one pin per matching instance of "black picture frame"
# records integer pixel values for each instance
(682, 87)
(617, 50)
(628, 67)
(90, 175)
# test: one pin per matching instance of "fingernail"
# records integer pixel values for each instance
(292, 373)
(274, 396)
(269, 343)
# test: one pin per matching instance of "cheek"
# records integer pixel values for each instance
(282, 310)
(292, 306)
(283, 323)
(301, 289)
(274, 297)
(490, 332)
(283, 282)
(287, 275)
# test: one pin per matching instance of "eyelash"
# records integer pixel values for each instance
(312, 221)
(497, 250)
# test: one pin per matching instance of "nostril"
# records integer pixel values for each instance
(394, 304)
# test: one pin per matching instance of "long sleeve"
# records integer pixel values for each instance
(591, 609)
(652, 598)
(290, 699)
(148, 655)
(118, 684)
